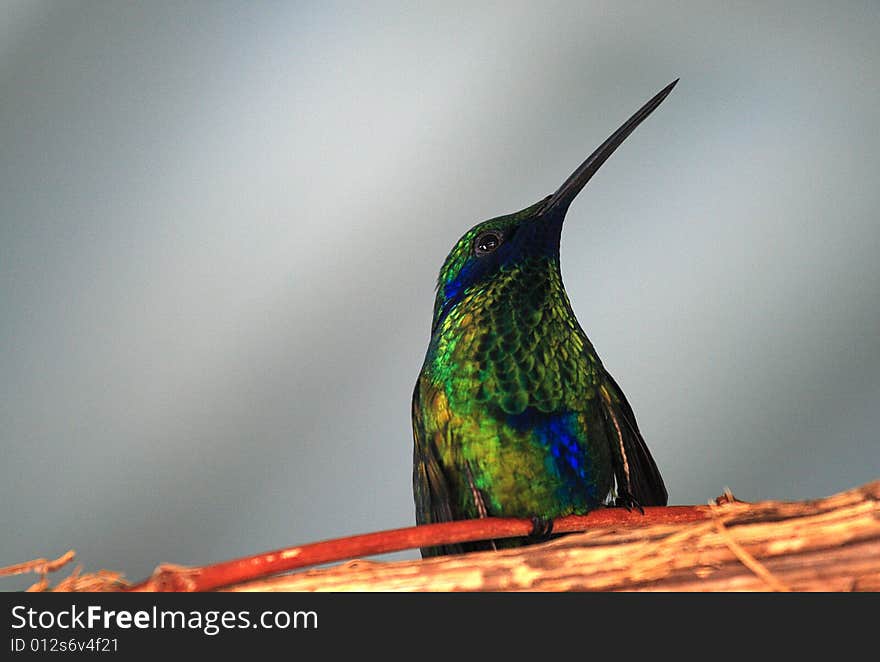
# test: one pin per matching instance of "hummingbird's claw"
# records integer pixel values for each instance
(542, 527)
(628, 501)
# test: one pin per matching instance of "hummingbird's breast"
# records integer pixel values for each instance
(514, 344)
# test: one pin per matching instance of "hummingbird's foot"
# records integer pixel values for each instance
(542, 527)
(628, 501)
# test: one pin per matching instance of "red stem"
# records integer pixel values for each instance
(227, 573)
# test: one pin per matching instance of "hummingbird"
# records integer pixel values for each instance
(513, 412)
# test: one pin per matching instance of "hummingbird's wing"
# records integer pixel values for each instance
(638, 477)
(430, 487)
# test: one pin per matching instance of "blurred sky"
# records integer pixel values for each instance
(221, 224)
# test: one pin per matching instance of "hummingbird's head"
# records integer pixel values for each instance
(497, 248)
(492, 248)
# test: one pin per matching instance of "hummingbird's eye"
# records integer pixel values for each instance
(487, 242)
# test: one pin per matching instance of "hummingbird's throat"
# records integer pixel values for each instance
(515, 343)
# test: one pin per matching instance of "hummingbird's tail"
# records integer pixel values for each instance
(638, 479)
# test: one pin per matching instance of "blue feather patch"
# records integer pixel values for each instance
(567, 458)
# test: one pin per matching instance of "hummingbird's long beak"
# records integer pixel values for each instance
(579, 178)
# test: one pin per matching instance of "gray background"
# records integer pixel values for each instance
(222, 223)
